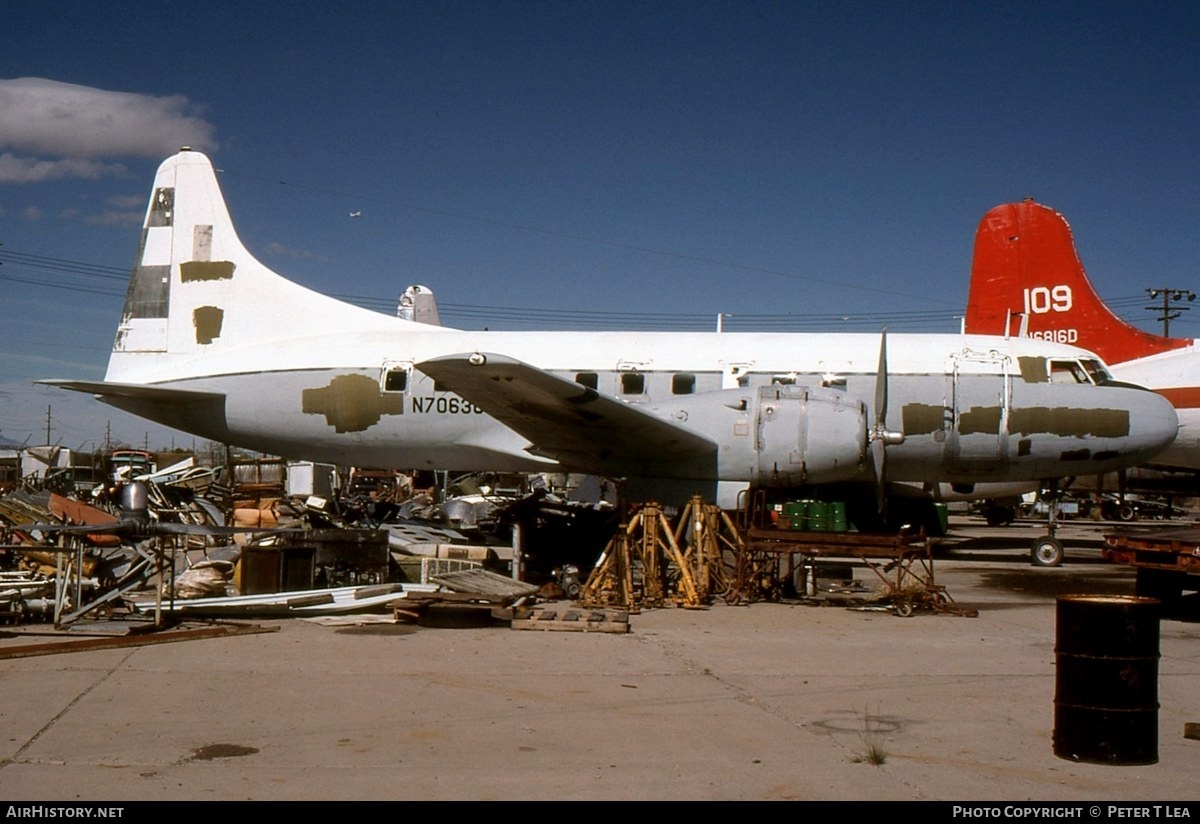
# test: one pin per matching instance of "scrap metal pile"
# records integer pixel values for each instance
(181, 538)
(66, 555)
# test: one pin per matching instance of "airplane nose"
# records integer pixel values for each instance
(1153, 423)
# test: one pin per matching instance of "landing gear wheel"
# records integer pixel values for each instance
(999, 515)
(1163, 584)
(904, 609)
(1047, 552)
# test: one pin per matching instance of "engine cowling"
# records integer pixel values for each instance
(779, 435)
(808, 435)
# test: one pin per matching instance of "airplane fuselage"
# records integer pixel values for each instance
(213, 342)
(967, 408)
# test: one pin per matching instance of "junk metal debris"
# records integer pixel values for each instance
(190, 541)
(178, 542)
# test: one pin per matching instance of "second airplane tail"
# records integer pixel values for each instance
(1026, 274)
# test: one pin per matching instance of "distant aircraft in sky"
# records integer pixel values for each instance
(356, 214)
(212, 342)
(1027, 279)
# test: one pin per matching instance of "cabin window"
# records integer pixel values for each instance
(589, 379)
(395, 380)
(683, 383)
(633, 383)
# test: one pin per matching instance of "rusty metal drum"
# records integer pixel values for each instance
(1106, 679)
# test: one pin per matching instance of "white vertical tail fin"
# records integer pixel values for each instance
(196, 290)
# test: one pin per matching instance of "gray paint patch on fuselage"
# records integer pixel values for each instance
(1033, 370)
(1069, 421)
(207, 320)
(979, 420)
(194, 271)
(922, 418)
(351, 403)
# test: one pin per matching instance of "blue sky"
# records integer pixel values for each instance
(808, 165)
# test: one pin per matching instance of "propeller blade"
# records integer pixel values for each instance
(879, 458)
(881, 383)
(879, 433)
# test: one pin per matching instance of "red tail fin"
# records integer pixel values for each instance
(1025, 264)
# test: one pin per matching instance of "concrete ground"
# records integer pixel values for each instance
(769, 701)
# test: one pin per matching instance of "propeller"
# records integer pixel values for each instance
(880, 436)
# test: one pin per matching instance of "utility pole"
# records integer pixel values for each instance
(1165, 313)
(47, 424)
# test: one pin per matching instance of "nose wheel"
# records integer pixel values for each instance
(1047, 551)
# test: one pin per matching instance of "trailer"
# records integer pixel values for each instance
(902, 564)
(1166, 561)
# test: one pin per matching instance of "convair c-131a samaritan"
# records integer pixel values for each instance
(214, 343)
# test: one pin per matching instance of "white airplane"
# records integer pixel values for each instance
(1027, 278)
(214, 343)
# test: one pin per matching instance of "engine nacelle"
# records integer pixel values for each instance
(779, 435)
(808, 435)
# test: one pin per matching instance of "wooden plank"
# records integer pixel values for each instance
(571, 619)
(139, 640)
(483, 582)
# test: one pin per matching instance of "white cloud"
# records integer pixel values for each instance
(54, 130)
(15, 169)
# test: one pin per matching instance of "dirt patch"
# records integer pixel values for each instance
(213, 751)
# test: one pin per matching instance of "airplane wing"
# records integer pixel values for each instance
(570, 423)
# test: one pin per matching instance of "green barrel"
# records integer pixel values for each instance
(818, 516)
(837, 517)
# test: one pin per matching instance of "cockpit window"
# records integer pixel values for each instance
(1075, 372)
(1097, 371)
(1068, 372)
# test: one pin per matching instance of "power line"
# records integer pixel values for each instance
(112, 282)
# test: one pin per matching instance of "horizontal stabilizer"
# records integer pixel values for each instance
(569, 422)
(134, 390)
(198, 412)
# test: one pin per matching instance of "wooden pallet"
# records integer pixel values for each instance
(570, 619)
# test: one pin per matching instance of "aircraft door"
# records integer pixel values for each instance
(980, 391)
